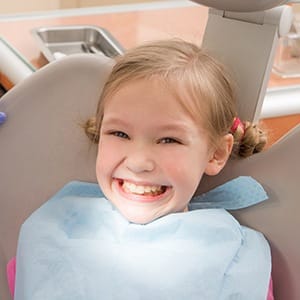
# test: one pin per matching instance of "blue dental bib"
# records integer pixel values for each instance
(78, 246)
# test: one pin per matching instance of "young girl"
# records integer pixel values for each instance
(167, 115)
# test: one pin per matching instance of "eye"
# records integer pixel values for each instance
(120, 134)
(168, 140)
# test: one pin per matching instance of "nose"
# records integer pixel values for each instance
(140, 160)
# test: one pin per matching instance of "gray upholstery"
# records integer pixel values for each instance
(43, 147)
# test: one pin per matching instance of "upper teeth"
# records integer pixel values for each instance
(141, 189)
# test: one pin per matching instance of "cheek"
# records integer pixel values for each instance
(185, 169)
(110, 156)
(105, 160)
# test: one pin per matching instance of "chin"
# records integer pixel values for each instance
(138, 218)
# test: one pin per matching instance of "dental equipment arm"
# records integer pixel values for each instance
(244, 36)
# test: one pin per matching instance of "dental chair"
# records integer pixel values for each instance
(43, 146)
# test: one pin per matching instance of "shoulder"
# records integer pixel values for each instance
(248, 276)
(219, 226)
(74, 203)
(255, 240)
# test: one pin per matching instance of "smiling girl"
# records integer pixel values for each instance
(166, 116)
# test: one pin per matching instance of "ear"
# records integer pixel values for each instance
(220, 155)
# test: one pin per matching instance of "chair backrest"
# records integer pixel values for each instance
(43, 147)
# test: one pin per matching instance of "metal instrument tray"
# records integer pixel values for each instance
(58, 41)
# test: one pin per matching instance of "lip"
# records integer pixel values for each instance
(139, 198)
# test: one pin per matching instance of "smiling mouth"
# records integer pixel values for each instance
(142, 190)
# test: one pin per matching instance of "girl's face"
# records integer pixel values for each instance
(151, 153)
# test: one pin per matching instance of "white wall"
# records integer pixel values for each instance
(19, 6)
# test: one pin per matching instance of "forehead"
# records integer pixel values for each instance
(152, 105)
(149, 96)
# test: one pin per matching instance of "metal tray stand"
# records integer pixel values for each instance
(58, 41)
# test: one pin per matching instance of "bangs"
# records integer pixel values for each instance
(196, 101)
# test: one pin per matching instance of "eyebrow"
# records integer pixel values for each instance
(177, 125)
(113, 121)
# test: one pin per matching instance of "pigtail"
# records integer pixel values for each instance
(91, 130)
(249, 139)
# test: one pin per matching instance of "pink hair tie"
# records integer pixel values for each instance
(236, 123)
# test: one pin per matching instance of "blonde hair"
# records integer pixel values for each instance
(184, 66)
